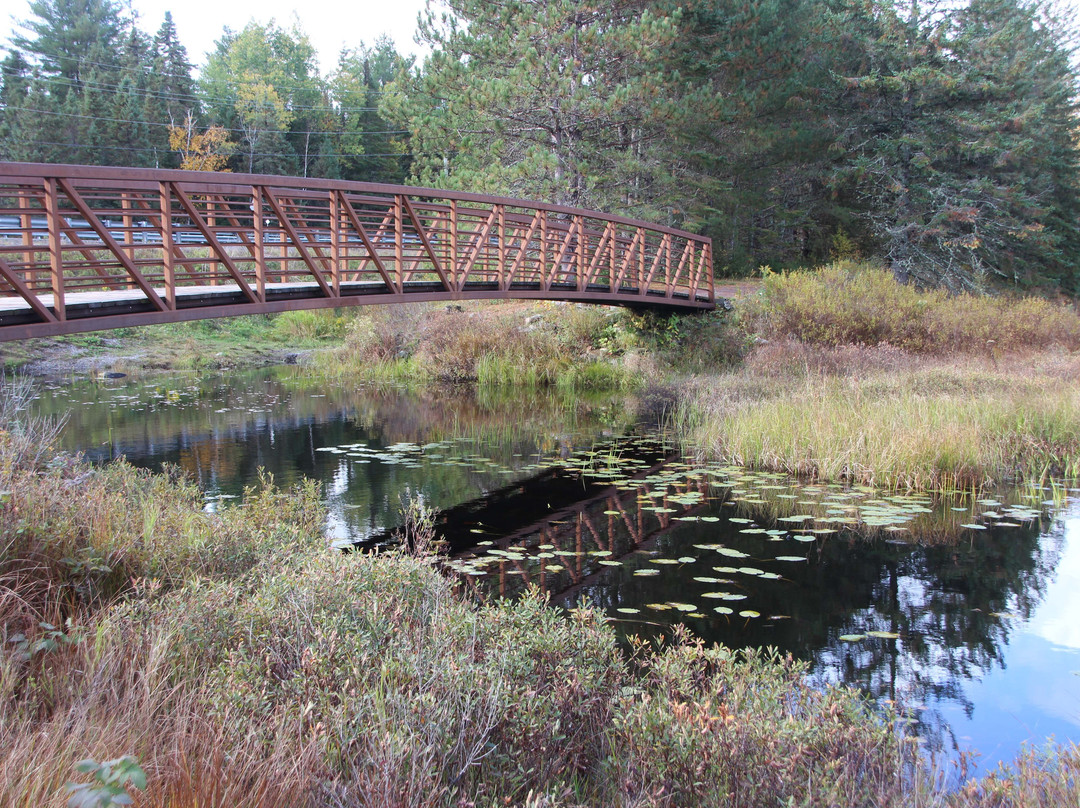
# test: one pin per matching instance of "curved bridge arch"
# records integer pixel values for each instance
(86, 248)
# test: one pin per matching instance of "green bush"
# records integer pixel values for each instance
(310, 325)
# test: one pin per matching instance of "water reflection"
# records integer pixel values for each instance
(962, 610)
(220, 430)
(926, 624)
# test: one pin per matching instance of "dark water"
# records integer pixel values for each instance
(966, 612)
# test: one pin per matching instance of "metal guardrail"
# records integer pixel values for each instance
(85, 248)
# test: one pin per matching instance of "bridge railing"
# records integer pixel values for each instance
(168, 239)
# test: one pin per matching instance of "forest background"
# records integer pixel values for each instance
(936, 137)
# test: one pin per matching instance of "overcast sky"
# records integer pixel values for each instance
(331, 24)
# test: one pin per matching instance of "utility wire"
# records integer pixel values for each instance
(228, 82)
(227, 129)
(239, 153)
(144, 92)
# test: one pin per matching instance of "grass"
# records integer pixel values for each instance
(508, 345)
(227, 342)
(242, 663)
(854, 377)
(850, 303)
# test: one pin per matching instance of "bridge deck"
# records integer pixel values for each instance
(84, 248)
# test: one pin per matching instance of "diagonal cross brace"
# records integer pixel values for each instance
(211, 239)
(108, 240)
(354, 220)
(12, 277)
(424, 240)
(285, 223)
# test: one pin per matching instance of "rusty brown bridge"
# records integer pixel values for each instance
(87, 248)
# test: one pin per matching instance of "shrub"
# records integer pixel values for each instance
(709, 726)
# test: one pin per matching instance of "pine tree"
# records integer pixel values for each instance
(752, 130)
(551, 99)
(172, 87)
(83, 104)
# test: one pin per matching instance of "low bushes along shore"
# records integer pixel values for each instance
(240, 662)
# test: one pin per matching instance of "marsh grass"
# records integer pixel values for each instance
(941, 426)
(511, 345)
(857, 377)
(852, 303)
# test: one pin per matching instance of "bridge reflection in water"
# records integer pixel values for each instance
(88, 248)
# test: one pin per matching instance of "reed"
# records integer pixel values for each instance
(919, 430)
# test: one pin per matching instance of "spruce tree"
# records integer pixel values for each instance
(172, 88)
(363, 146)
(956, 141)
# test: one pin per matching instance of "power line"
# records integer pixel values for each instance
(198, 99)
(228, 82)
(227, 129)
(238, 154)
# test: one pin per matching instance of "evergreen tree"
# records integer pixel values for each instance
(957, 141)
(752, 130)
(551, 99)
(363, 145)
(84, 103)
(172, 88)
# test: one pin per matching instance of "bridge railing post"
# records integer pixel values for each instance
(167, 264)
(260, 241)
(335, 241)
(399, 237)
(56, 257)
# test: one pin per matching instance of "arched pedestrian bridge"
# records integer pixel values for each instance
(87, 248)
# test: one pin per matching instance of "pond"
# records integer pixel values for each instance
(962, 609)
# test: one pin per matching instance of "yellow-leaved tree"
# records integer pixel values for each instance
(201, 151)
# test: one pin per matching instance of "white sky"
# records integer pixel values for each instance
(331, 24)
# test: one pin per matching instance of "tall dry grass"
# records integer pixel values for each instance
(851, 303)
(857, 377)
(494, 345)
